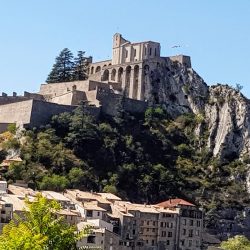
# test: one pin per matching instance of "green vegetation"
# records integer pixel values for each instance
(134, 157)
(67, 68)
(236, 243)
(40, 228)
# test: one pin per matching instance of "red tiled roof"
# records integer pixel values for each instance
(174, 203)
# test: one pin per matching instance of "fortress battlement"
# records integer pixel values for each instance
(128, 75)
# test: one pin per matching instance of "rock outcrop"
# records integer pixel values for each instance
(225, 109)
(227, 116)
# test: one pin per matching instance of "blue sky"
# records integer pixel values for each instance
(215, 33)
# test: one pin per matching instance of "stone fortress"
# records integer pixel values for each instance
(128, 76)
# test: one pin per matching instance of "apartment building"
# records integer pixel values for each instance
(189, 224)
(6, 213)
(174, 224)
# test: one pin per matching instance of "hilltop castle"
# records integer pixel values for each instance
(130, 73)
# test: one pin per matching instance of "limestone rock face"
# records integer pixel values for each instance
(226, 110)
(227, 116)
(180, 88)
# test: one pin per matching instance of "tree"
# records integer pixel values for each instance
(40, 229)
(80, 67)
(238, 242)
(62, 70)
(238, 87)
(54, 182)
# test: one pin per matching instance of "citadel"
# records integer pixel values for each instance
(133, 74)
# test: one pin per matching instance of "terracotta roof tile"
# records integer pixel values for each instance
(174, 203)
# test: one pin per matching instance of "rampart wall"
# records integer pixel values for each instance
(55, 89)
(110, 102)
(70, 98)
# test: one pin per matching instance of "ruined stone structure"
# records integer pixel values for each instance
(129, 76)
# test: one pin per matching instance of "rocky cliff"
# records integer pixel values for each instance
(225, 109)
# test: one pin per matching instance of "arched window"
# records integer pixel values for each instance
(113, 74)
(135, 53)
(98, 68)
(92, 70)
(127, 80)
(104, 66)
(105, 76)
(120, 74)
(136, 79)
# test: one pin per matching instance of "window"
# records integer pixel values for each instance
(145, 51)
(135, 53)
(98, 213)
(190, 243)
(91, 239)
(126, 54)
(153, 242)
(184, 222)
(163, 234)
(191, 222)
(153, 229)
(184, 231)
(133, 231)
(89, 213)
(198, 223)
(147, 222)
(197, 243)
(190, 233)
(161, 224)
(182, 242)
(147, 229)
(150, 51)
(197, 233)
(170, 234)
(168, 242)
(155, 52)
(154, 223)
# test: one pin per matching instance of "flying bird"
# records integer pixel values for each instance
(176, 46)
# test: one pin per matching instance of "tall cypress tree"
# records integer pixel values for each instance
(62, 70)
(81, 66)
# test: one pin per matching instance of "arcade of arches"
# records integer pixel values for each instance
(130, 77)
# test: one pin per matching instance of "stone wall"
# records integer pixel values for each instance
(42, 112)
(110, 101)
(56, 89)
(182, 59)
(70, 98)
(12, 99)
(19, 112)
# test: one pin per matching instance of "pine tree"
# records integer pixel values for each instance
(81, 66)
(63, 68)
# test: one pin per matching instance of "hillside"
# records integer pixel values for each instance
(192, 142)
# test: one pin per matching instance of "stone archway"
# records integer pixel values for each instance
(105, 75)
(127, 80)
(113, 74)
(135, 82)
(98, 69)
(120, 74)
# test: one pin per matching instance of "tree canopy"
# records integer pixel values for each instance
(238, 242)
(40, 228)
(67, 68)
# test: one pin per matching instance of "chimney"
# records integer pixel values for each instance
(14, 94)
(4, 94)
